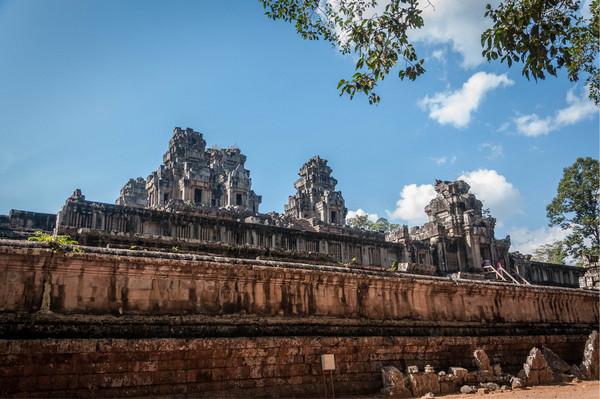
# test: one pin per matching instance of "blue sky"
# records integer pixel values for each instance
(90, 93)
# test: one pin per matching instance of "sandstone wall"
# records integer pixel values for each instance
(243, 367)
(134, 283)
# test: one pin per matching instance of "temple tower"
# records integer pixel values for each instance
(316, 196)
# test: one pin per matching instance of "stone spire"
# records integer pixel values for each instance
(316, 196)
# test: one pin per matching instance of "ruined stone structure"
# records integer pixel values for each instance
(591, 279)
(457, 237)
(316, 196)
(201, 200)
(196, 175)
(134, 193)
(183, 288)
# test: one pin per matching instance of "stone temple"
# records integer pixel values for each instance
(183, 288)
(193, 174)
(202, 200)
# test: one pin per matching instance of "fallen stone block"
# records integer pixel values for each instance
(468, 389)
(535, 370)
(460, 374)
(391, 376)
(429, 370)
(481, 360)
(447, 387)
(395, 383)
(515, 383)
(497, 369)
(412, 369)
(483, 391)
(428, 395)
(421, 383)
(590, 366)
(492, 386)
(554, 361)
(576, 373)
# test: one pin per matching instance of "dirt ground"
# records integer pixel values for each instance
(581, 390)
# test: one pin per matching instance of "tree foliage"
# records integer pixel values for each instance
(551, 253)
(575, 207)
(363, 222)
(545, 35)
(376, 35)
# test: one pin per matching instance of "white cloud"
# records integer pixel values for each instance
(440, 160)
(411, 205)
(458, 23)
(492, 151)
(533, 126)
(359, 212)
(497, 194)
(579, 108)
(439, 55)
(456, 107)
(526, 241)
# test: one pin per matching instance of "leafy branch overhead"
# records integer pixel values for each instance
(545, 35)
(377, 35)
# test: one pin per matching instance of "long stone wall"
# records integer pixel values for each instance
(145, 283)
(243, 367)
(116, 323)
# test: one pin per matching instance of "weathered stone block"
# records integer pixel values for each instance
(576, 372)
(421, 383)
(481, 360)
(394, 383)
(412, 369)
(590, 364)
(535, 370)
(492, 386)
(460, 374)
(516, 382)
(391, 376)
(468, 389)
(497, 369)
(555, 363)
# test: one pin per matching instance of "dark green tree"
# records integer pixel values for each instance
(551, 253)
(382, 224)
(575, 207)
(360, 222)
(545, 35)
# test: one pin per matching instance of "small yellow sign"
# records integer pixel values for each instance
(327, 362)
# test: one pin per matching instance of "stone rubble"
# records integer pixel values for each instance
(542, 367)
(560, 368)
(535, 369)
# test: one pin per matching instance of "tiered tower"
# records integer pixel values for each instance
(316, 196)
